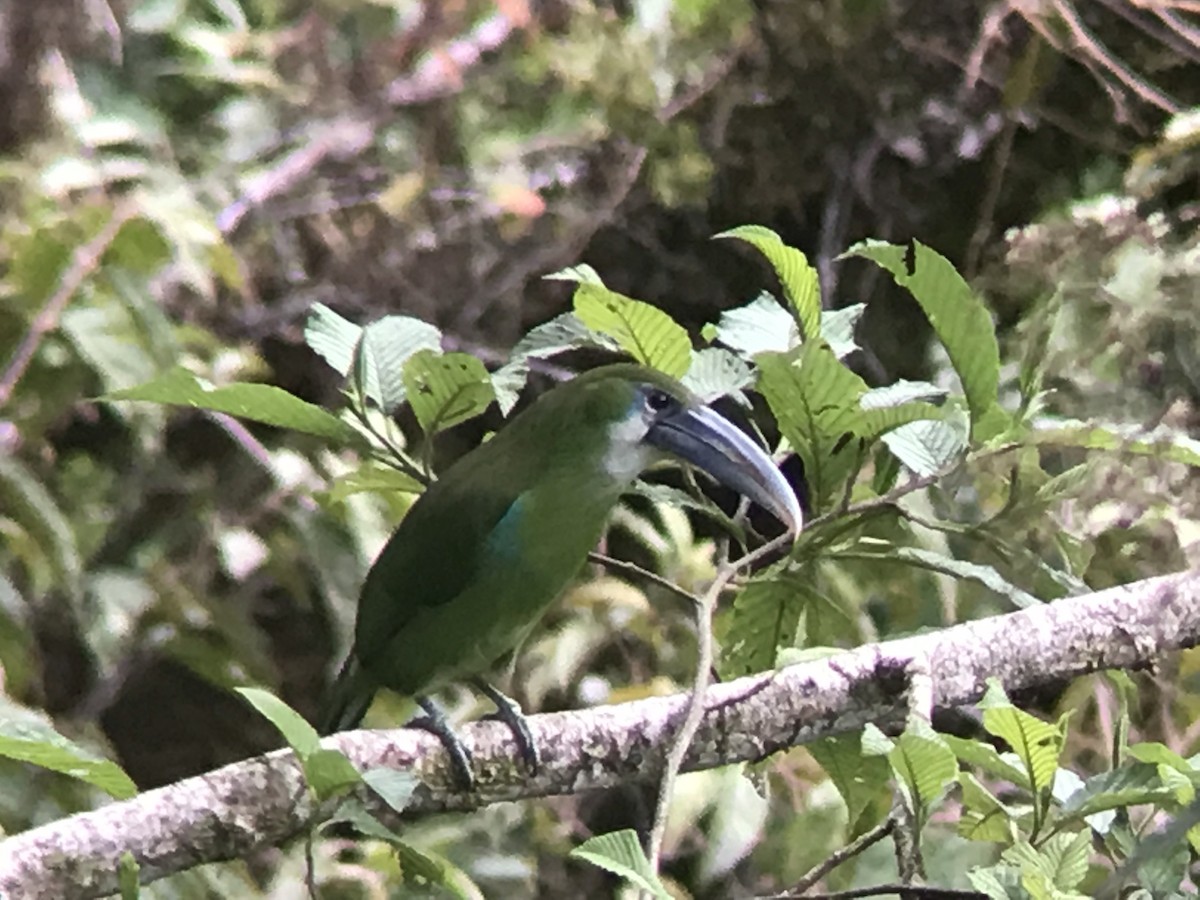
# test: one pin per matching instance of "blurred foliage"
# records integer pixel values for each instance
(182, 180)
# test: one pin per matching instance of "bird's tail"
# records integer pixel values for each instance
(348, 698)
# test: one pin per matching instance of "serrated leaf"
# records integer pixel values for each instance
(900, 392)
(386, 346)
(763, 618)
(27, 737)
(300, 735)
(1129, 785)
(927, 446)
(257, 402)
(380, 349)
(26, 501)
(815, 401)
(959, 319)
(445, 390)
(761, 326)
(798, 279)
(715, 372)
(924, 765)
(1038, 744)
(837, 328)
(645, 332)
(878, 422)
(507, 382)
(562, 333)
(621, 853)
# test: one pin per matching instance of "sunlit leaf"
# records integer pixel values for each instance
(959, 319)
(26, 737)
(797, 278)
(257, 402)
(447, 389)
(621, 852)
(645, 332)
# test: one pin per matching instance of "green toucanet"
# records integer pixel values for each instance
(488, 547)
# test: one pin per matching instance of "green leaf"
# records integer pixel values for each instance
(900, 392)
(928, 447)
(381, 349)
(760, 326)
(127, 877)
(959, 319)
(1130, 785)
(300, 736)
(837, 328)
(393, 786)
(861, 780)
(581, 274)
(445, 390)
(798, 279)
(332, 337)
(27, 737)
(26, 501)
(715, 372)
(560, 334)
(925, 767)
(1161, 443)
(983, 756)
(375, 478)
(257, 402)
(984, 817)
(763, 618)
(645, 332)
(1038, 744)
(329, 772)
(386, 346)
(945, 565)
(815, 400)
(620, 852)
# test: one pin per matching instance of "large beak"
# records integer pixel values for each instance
(709, 441)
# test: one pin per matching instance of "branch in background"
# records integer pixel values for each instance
(84, 262)
(263, 801)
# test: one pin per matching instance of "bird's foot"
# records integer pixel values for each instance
(509, 712)
(434, 721)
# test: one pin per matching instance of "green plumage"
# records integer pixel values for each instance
(490, 545)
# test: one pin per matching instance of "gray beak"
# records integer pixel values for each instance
(711, 442)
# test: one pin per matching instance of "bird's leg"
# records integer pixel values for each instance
(508, 712)
(434, 721)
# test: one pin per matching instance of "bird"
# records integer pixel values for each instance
(488, 547)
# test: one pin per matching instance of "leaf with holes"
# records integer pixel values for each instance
(445, 390)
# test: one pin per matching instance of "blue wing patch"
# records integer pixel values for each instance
(505, 539)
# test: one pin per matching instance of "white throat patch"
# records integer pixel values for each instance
(627, 456)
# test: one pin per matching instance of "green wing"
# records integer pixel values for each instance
(440, 546)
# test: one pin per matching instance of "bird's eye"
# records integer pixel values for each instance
(657, 401)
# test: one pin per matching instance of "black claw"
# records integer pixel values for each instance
(434, 721)
(508, 712)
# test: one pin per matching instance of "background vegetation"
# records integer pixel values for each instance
(182, 181)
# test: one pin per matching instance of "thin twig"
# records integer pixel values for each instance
(636, 571)
(85, 261)
(831, 862)
(700, 683)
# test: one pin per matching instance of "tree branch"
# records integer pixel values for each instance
(228, 813)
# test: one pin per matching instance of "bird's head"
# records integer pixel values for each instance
(647, 415)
